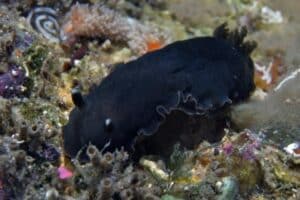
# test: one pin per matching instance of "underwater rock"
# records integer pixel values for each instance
(243, 161)
(270, 16)
(279, 169)
(30, 127)
(154, 169)
(213, 172)
(48, 152)
(228, 188)
(11, 82)
(117, 181)
(195, 13)
(15, 38)
(169, 197)
(199, 77)
(33, 137)
(23, 41)
(293, 149)
(7, 25)
(35, 57)
(277, 113)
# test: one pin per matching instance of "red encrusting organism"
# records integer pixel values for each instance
(100, 21)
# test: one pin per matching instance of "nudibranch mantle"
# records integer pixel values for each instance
(196, 76)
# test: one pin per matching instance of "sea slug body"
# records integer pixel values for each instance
(197, 77)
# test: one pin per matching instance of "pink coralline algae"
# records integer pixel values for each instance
(11, 82)
(249, 150)
(64, 173)
(246, 145)
(85, 20)
(228, 148)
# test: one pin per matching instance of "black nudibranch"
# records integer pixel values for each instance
(171, 95)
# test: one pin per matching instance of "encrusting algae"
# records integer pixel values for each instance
(101, 21)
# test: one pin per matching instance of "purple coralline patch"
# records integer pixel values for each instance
(228, 148)
(11, 82)
(248, 153)
(246, 146)
(47, 152)
(23, 41)
(249, 149)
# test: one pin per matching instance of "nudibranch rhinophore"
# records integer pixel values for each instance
(195, 79)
